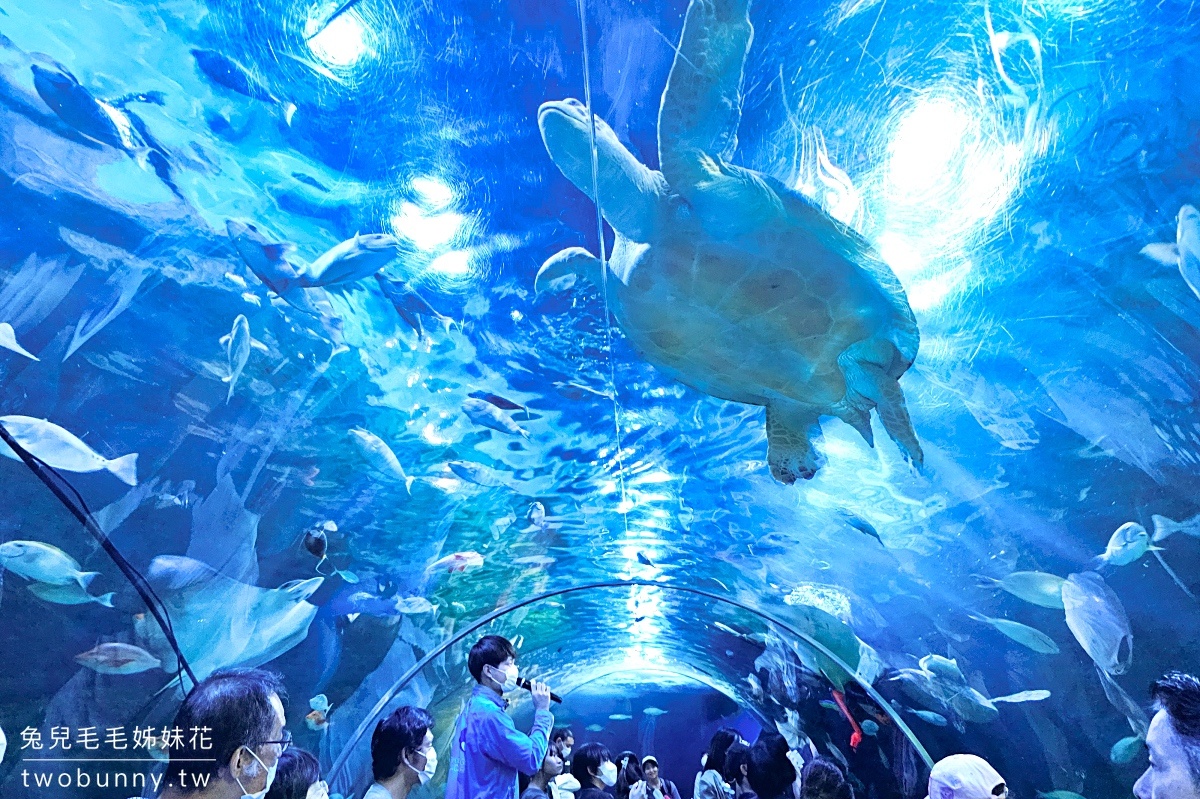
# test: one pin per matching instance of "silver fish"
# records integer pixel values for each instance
(118, 658)
(1165, 528)
(69, 594)
(352, 260)
(237, 351)
(475, 473)
(1036, 588)
(8, 340)
(381, 457)
(1023, 634)
(1184, 254)
(43, 563)
(488, 415)
(1128, 543)
(60, 449)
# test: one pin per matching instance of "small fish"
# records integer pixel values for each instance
(1036, 588)
(488, 415)
(1184, 254)
(1165, 528)
(237, 351)
(224, 71)
(413, 605)
(870, 727)
(500, 402)
(8, 340)
(352, 260)
(537, 515)
(476, 473)
(1127, 544)
(410, 305)
(117, 658)
(316, 720)
(267, 259)
(380, 456)
(654, 711)
(104, 123)
(43, 563)
(594, 728)
(861, 524)
(1023, 634)
(1023, 696)
(619, 717)
(1125, 750)
(645, 561)
(69, 594)
(60, 449)
(458, 562)
(929, 717)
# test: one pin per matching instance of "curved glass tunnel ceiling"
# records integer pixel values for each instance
(1013, 164)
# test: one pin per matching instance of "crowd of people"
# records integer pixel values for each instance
(250, 755)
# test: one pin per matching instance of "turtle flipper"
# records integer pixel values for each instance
(871, 380)
(790, 430)
(571, 262)
(702, 105)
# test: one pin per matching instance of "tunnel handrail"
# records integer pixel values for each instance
(390, 694)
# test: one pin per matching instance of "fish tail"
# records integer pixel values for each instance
(124, 468)
(1098, 563)
(85, 579)
(1164, 528)
(408, 481)
(105, 599)
(289, 111)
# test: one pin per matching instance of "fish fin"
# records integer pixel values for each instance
(1164, 253)
(1153, 548)
(223, 340)
(258, 345)
(226, 378)
(105, 599)
(85, 579)
(279, 250)
(289, 111)
(408, 481)
(973, 615)
(124, 468)
(142, 156)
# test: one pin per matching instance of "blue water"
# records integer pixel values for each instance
(1009, 161)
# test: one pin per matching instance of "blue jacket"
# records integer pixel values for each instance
(487, 750)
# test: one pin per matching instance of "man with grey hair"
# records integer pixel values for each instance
(1173, 740)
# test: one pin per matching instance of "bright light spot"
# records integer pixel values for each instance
(343, 42)
(456, 263)
(433, 435)
(928, 294)
(427, 232)
(434, 193)
(516, 315)
(926, 145)
(900, 253)
(828, 598)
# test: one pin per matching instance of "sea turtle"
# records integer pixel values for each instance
(728, 280)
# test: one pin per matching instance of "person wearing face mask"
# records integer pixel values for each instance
(540, 783)
(243, 711)
(487, 751)
(298, 777)
(564, 739)
(402, 753)
(594, 769)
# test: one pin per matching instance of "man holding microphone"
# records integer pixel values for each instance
(487, 750)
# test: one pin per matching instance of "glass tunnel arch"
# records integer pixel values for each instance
(368, 723)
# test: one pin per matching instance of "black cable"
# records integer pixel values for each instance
(59, 486)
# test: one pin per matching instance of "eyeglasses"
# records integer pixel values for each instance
(283, 742)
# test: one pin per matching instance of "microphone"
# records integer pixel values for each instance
(524, 683)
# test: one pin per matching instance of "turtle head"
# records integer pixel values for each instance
(629, 191)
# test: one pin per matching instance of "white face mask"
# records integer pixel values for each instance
(425, 774)
(510, 674)
(266, 785)
(566, 752)
(608, 773)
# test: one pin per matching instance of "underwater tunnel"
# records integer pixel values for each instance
(822, 368)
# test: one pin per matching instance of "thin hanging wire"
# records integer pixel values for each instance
(612, 370)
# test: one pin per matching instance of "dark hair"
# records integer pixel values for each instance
(720, 742)
(490, 650)
(1179, 695)
(628, 774)
(588, 757)
(298, 770)
(822, 779)
(775, 742)
(736, 756)
(561, 734)
(771, 774)
(402, 731)
(235, 705)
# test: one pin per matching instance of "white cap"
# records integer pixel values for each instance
(963, 777)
